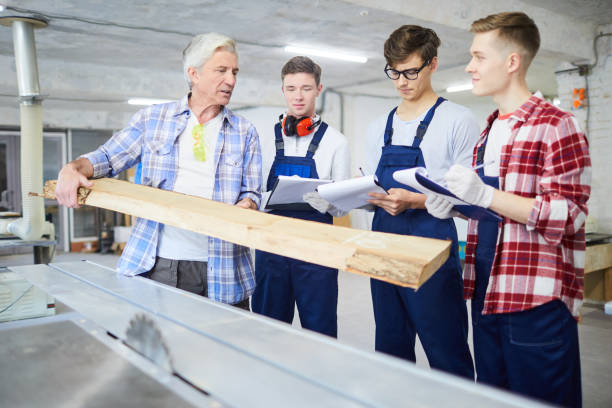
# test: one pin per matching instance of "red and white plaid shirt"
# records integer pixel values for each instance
(546, 158)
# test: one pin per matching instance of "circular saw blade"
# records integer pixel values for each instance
(144, 336)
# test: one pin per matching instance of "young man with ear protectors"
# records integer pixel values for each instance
(305, 146)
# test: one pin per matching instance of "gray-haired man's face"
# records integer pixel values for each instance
(215, 81)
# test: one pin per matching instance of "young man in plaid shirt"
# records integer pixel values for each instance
(525, 275)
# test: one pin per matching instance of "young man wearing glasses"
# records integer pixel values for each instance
(423, 131)
(306, 146)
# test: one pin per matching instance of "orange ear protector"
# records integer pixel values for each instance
(293, 126)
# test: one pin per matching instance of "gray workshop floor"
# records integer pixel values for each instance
(356, 327)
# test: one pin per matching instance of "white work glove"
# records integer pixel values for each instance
(465, 184)
(318, 203)
(440, 207)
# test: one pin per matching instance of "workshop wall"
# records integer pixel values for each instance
(597, 105)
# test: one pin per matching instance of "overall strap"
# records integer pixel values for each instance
(316, 139)
(422, 129)
(280, 145)
(480, 152)
(480, 156)
(389, 127)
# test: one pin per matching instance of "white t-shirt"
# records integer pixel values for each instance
(450, 139)
(332, 158)
(194, 177)
(499, 134)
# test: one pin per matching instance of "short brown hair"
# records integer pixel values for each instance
(409, 39)
(303, 64)
(515, 27)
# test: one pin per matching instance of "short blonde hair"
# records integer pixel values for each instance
(202, 47)
(515, 27)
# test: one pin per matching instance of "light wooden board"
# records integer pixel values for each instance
(399, 259)
(598, 257)
(608, 285)
(598, 272)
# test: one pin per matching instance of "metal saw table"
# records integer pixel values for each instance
(220, 355)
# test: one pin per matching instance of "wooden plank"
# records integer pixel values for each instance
(399, 259)
(594, 286)
(343, 221)
(608, 285)
(598, 257)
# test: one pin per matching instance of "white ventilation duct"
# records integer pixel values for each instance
(32, 226)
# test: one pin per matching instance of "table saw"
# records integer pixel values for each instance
(130, 341)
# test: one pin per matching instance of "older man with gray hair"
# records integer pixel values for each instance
(194, 146)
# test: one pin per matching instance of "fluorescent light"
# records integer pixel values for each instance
(326, 54)
(1, 8)
(147, 101)
(459, 88)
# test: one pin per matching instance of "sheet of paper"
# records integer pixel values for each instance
(290, 189)
(352, 193)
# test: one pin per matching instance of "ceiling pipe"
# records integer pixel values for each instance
(32, 225)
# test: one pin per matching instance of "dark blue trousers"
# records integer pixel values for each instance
(436, 312)
(534, 353)
(283, 282)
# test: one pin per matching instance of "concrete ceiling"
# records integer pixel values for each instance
(101, 53)
(596, 11)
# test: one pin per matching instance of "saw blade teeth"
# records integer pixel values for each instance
(144, 336)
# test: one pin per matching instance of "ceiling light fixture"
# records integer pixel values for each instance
(2, 8)
(459, 88)
(147, 101)
(326, 54)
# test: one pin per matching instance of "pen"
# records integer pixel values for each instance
(480, 166)
(361, 171)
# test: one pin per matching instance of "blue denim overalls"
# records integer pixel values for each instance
(437, 311)
(282, 282)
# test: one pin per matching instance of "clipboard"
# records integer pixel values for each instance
(417, 178)
(351, 193)
(288, 191)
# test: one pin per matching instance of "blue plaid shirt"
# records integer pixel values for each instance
(152, 138)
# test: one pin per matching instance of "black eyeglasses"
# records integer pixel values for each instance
(411, 74)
